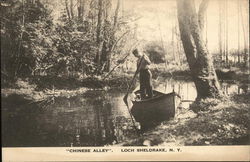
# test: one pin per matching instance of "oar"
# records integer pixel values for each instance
(125, 98)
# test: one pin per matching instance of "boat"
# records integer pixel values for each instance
(157, 109)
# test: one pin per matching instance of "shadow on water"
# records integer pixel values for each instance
(96, 118)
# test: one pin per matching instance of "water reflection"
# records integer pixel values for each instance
(186, 89)
(96, 118)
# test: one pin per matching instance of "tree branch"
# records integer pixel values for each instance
(116, 14)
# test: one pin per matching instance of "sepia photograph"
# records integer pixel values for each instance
(156, 75)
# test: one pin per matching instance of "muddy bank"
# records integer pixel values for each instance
(226, 123)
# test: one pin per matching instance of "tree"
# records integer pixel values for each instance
(226, 29)
(220, 31)
(238, 10)
(67, 9)
(72, 9)
(199, 59)
(81, 9)
(99, 33)
(245, 57)
(109, 36)
(24, 39)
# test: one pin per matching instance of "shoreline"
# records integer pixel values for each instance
(41, 87)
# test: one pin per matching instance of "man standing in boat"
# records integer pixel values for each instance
(145, 75)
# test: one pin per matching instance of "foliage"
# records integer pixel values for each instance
(35, 43)
(23, 36)
(156, 52)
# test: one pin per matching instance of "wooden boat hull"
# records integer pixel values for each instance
(157, 109)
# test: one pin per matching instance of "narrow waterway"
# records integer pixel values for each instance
(96, 118)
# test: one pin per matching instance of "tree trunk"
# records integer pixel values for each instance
(238, 10)
(227, 61)
(201, 14)
(108, 5)
(18, 60)
(220, 32)
(100, 20)
(173, 43)
(245, 56)
(106, 53)
(72, 9)
(116, 14)
(67, 9)
(99, 32)
(199, 59)
(108, 45)
(224, 32)
(79, 8)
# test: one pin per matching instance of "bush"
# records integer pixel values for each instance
(155, 52)
(24, 34)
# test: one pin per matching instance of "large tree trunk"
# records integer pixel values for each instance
(198, 57)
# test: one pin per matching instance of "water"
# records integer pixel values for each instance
(96, 118)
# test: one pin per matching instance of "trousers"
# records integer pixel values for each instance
(146, 89)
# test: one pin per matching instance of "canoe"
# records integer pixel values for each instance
(157, 109)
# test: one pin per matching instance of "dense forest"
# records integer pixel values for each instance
(66, 48)
(84, 39)
(79, 39)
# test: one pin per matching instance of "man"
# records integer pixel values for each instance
(143, 63)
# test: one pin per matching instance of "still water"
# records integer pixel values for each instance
(96, 118)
